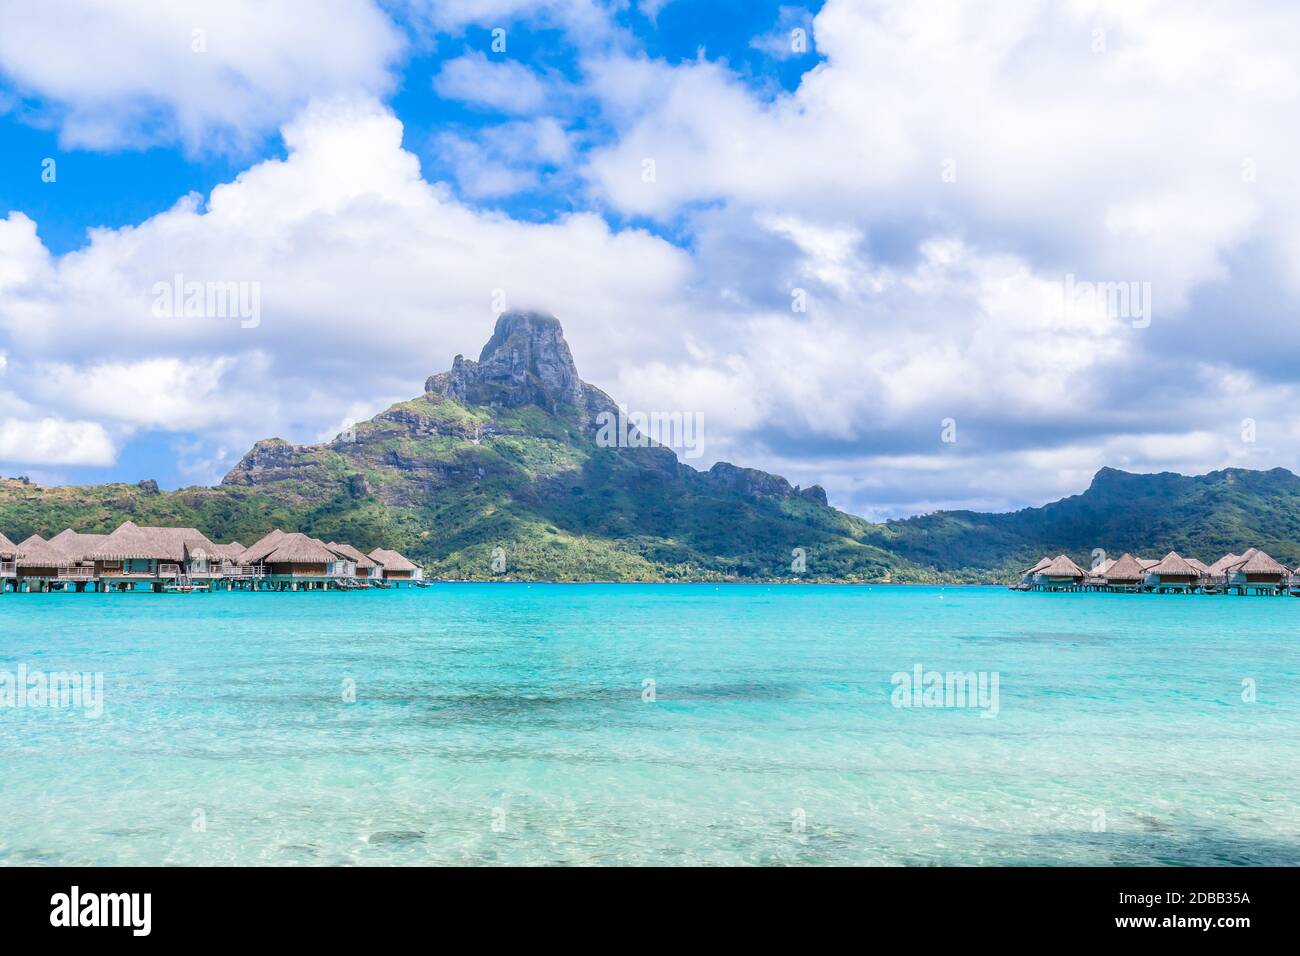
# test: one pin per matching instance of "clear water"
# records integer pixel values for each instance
(505, 724)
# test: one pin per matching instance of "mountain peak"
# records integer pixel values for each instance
(525, 362)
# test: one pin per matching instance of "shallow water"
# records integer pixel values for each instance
(506, 724)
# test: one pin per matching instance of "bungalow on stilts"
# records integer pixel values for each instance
(9, 553)
(1172, 574)
(1257, 573)
(1125, 574)
(1061, 574)
(159, 558)
(397, 570)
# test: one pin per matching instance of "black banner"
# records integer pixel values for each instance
(339, 905)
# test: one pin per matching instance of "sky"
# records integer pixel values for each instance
(925, 254)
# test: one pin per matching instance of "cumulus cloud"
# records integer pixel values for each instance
(206, 73)
(55, 441)
(370, 279)
(933, 188)
(850, 265)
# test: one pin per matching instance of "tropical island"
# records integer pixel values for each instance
(498, 471)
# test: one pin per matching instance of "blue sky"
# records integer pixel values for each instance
(842, 245)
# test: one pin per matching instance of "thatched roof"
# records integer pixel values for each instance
(1224, 563)
(1100, 570)
(260, 548)
(392, 561)
(7, 548)
(1063, 567)
(1200, 566)
(1148, 563)
(38, 553)
(1174, 565)
(1260, 563)
(351, 554)
(228, 552)
(75, 546)
(297, 548)
(1042, 563)
(134, 542)
(1127, 568)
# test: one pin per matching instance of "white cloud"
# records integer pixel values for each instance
(207, 73)
(505, 159)
(927, 298)
(55, 441)
(371, 279)
(1099, 160)
(499, 84)
(790, 37)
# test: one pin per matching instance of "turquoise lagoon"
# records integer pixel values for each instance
(509, 724)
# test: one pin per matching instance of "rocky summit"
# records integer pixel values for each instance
(504, 453)
(526, 362)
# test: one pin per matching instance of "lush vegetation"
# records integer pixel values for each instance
(1203, 517)
(479, 493)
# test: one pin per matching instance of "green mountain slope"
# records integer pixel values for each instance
(499, 470)
(1204, 516)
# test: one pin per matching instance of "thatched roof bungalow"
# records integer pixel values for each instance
(1255, 569)
(1172, 571)
(37, 558)
(361, 565)
(1027, 575)
(395, 566)
(8, 550)
(1126, 572)
(1061, 572)
(1220, 568)
(76, 547)
(146, 551)
(260, 548)
(295, 555)
(228, 552)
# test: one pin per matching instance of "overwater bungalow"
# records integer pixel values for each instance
(1027, 575)
(185, 559)
(363, 567)
(1096, 579)
(229, 552)
(395, 567)
(1172, 573)
(37, 564)
(225, 557)
(292, 560)
(77, 569)
(135, 554)
(9, 553)
(1060, 575)
(1256, 573)
(1125, 574)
